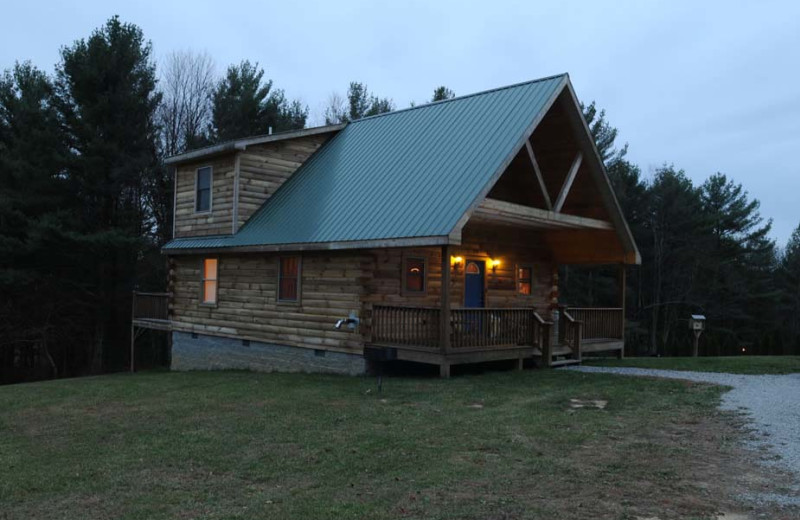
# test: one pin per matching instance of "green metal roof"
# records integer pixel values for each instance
(407, 174)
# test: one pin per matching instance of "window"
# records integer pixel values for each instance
(289, 279)
(202, 198)
(524, 279)
(414, 275)
(209, 281)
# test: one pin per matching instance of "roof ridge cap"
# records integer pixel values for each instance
(458, 98)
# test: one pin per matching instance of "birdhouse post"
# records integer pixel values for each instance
(697, 323)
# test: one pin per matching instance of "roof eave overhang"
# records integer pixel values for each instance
(316, 246)
(242, 144)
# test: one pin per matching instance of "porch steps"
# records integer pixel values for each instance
(565, 362)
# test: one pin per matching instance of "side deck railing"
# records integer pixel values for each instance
(150, 306)
(407, 326)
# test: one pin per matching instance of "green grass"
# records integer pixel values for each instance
(731, 364)
(284, 446)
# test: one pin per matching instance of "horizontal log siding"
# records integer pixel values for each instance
(263, 168)
(383, 284)
(220, 219)
(331, 287)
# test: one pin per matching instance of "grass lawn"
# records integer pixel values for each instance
(732, 364)
(291, 446)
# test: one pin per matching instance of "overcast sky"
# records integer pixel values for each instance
(707, 86)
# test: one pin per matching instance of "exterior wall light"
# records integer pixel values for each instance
(456, 262)
(494, 263)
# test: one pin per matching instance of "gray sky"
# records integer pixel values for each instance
(709, 86)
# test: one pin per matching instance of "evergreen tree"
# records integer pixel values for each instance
(245, 104)
(678, 240)
(604, 134)
(788, 277)
(739, 253)
(106, 97)
(360, 103)
(34, 205)
(442, 93)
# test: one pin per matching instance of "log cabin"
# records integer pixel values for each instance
(432, 234)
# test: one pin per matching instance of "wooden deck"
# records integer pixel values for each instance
(474, 335)
(490, 334)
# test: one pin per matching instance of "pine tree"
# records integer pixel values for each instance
(245, 104)
(441, 93)
(107, 100)
(35, 205)
(360, 103)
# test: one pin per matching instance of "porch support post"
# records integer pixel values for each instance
(547, 345)
(444, 319)
(622, 275)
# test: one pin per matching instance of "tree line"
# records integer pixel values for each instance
(706, 249)
(86, 204)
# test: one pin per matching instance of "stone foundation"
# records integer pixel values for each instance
(205, 352)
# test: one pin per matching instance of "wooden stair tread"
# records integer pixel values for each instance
(564, 362)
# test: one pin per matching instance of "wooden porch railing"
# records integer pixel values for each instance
(600, 322)
(412, 326)
(491, 327)
(150, 306)
(470, 328)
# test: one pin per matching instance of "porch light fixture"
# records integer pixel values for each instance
(494, 263)
(456, 262)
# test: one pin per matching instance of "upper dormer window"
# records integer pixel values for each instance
(202, 198)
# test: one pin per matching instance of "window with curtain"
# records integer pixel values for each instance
(209, 281)
(289, 279)
(203, 185)
(524, 279)
(414, 274)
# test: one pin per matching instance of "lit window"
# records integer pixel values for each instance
(524, 279)
(203, 194)
(289, 279)
(415, 275)
(210, 280)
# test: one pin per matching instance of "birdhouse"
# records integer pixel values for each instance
(697, 322)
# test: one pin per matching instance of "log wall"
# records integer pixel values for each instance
(219, 220)
(247, 305)
(336, 283)
(263, 168)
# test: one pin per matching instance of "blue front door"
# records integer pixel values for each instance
(473, 283)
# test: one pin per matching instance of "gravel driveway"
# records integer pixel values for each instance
(771, 401)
